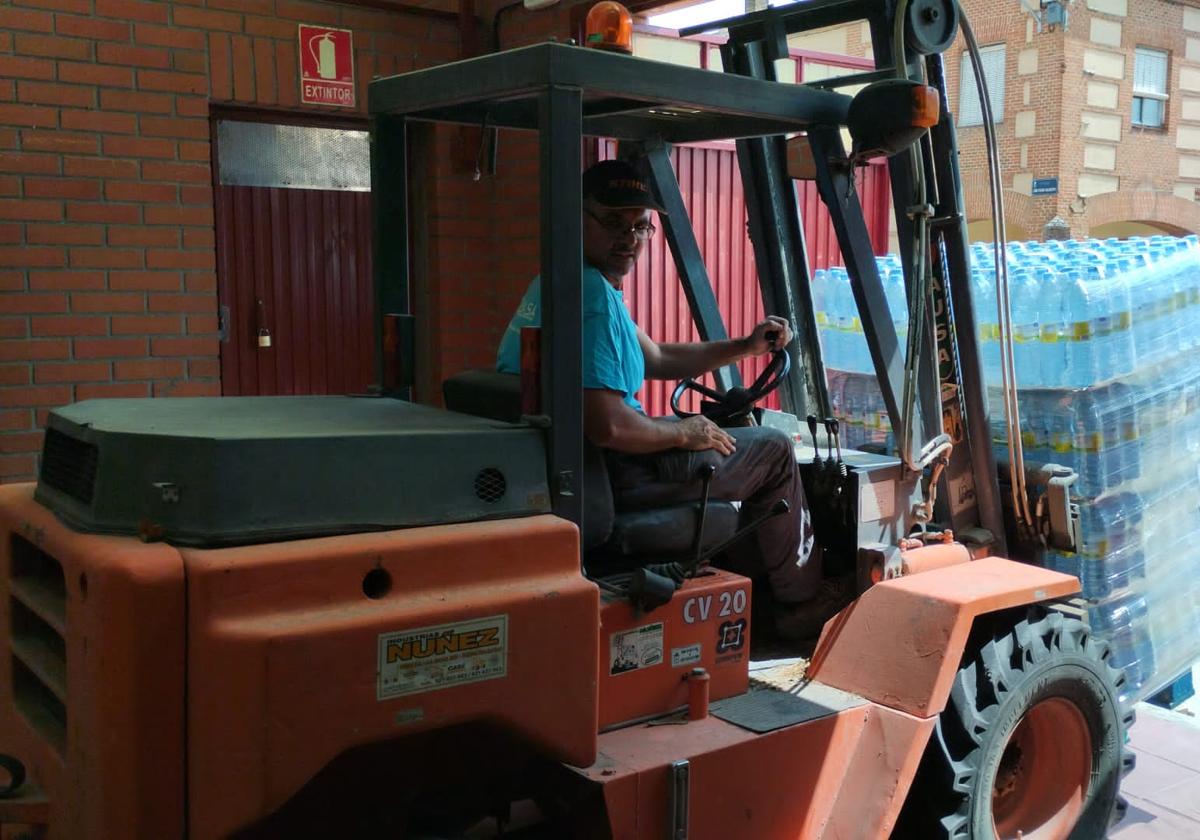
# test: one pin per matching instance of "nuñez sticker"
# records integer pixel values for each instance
(431, 658)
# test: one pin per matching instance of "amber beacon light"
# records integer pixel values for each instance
(609, 27)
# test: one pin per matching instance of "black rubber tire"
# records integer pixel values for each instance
(1045, 655)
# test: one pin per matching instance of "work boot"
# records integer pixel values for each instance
(801, 620)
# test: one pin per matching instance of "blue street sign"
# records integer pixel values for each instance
(1045, 186)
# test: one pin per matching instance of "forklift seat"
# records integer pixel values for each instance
(615, 540)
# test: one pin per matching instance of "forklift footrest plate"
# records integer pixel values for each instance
(767, 709)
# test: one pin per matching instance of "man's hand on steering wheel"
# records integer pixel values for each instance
(773, 333)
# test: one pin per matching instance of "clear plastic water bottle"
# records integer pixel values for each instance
(1035, 425)
(1142, 327)
(983, 284)
(834, 300)
(897, 300)
(820, 296)
(1103, 314)
(843, 313)
(859, 353)
(1087, 407)
(1024, 295)
(1054, 327)
(875, 417)
(1121, 434)
(1060, 429)
(1079, 306)
(1160, 297)
(1119, 350)
(1124, 623)
(1190, 276)
(1113, 549)
(1176, 269)
(854, 408)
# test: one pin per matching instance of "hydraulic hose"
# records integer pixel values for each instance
(1008, 375)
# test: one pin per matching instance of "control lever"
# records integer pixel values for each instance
(830, 426)
(837, 442)
(812, 430)
(652, 586)
(706, 476)
(780, 507)
(678, 572)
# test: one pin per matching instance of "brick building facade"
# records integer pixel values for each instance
(1068, 114)
(1067, 107)
(108, 259)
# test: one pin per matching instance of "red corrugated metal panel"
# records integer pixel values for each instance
(712, 192)
(307, 255)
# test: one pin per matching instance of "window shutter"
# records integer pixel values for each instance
(1150, 71)
(970, 111)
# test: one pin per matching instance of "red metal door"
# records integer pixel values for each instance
(711, 186)
(296, 263)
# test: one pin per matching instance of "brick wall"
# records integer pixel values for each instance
(1040, 92)
(1061, 96)
(107, 256)
(483, 235)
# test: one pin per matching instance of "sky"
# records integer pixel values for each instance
(703, 13)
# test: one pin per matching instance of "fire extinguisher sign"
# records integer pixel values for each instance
(326, 66)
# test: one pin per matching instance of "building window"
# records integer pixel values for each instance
(969, 110)
(1149, 87)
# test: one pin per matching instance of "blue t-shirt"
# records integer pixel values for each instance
(612, 356)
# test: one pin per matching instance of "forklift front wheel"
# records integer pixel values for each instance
(1030, 744)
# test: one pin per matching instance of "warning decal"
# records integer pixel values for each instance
(630, 650)
(685, 655)
(430, 658)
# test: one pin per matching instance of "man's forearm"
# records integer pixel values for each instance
(634, 433)
(687, 361)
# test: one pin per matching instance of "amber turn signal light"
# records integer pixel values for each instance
(890, 115)
(925, 106)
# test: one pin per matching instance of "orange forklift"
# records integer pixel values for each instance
(366, 617)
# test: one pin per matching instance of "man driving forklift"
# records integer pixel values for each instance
(655, 461)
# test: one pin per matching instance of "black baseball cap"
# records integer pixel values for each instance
(618, 184)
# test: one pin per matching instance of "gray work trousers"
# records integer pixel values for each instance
(760, 472)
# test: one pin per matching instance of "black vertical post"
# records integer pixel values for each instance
(952, 232)
(389, 210)
(681, 239)
(778, 239)
(835, 181)
(900, 171)
(561, 118)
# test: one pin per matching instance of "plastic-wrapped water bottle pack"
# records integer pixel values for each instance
(1108, 372)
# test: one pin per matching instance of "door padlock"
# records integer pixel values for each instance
(264, 334)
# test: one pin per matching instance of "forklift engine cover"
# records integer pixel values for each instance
(233, 470)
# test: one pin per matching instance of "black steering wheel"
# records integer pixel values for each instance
(734, 405)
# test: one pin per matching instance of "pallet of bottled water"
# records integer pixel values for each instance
(1107, 352)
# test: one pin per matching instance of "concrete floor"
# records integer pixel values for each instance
(1164, 788)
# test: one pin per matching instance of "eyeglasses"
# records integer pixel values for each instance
(619, 227)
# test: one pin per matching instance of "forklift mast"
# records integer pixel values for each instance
(952, 398)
